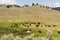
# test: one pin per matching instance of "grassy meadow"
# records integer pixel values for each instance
(16, 31)
(29, 23)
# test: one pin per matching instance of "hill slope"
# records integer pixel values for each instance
(57, 8)
(28, 13)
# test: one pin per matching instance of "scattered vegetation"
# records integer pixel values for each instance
(9, 6)
(28, 37)
(27, 30)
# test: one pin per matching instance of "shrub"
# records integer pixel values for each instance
(28, 37)
(47, 7)
(49, 35)
(43, 6)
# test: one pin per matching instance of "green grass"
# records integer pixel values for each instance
(55, 33)
(20, 31)
(37, 33)
(6, 29)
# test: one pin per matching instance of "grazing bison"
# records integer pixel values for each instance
(16, 25)
(41, 25)
(25, 30)
(39, 31)
(54, 25)
(48, 25)
(58, 31)
(37, 25)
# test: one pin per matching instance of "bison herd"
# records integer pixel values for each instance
(36, 24)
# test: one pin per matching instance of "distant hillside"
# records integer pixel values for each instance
(1, 5)
(4, 5)
(57, 8)
(36, 12)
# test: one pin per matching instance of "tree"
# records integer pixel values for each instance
(8, 6)
(32, 4)
(16, 5)
(36, 3)
(47, 7)
(43, 6)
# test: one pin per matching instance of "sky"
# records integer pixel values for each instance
(50, 3)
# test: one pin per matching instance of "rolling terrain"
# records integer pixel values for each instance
(56, 8)
(38, 20)
(35, 13)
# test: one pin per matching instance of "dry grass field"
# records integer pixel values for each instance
(29, 13)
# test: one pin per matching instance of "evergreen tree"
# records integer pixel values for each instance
(32, 4)
(36, 3)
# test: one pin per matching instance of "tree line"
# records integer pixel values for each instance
(33, 4)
